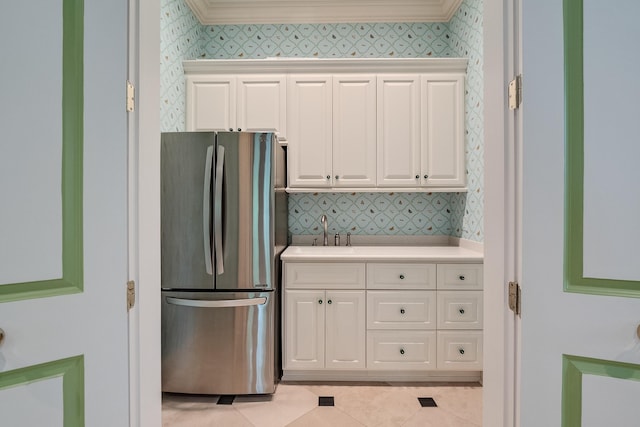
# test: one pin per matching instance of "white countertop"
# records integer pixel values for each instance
(453, 254)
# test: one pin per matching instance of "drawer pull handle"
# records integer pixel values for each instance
(461, 350)
(402, 351)
(461, 277)
(402, 311)
(461, 311)
(329, 302)
(402, 277)
(319, 301)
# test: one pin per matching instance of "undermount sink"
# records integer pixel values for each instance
(319, 250)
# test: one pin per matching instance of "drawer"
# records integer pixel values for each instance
(324, 275)
(460, 350)
(460, 276)
(401, 276)
(395, 350)
(401, 309)
(460, 309)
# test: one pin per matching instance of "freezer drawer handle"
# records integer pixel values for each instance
(217, 303)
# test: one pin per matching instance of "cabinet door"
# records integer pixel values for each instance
(309, 131)
(398, 130)
(262, 104)
(345, 330)
(354, 130)
(211, 103)
(304, 319)
(442, 146)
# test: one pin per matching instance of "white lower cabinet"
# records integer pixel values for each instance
(370, 317)
(460, 350)
(401, 350)
(324, 316)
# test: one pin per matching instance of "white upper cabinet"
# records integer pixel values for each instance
(253, 103)
(398, 130)
(378, 124)
(309, 154)
(442, 136)
(211, 103)
(262, 104)
(354, 130)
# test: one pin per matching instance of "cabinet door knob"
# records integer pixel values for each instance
(402, 351)
(239, 130)
(319, 301)
(461, 311)
(426, 176)
(230, 129)
(329, 302)
(402, 311)
(417, 176)
(328, 176)
(461, 350)
(461, 277)
(337, 177)
(1, 335)
(402, 277)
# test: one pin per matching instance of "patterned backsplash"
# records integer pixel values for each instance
(456, 214)
(371, 213)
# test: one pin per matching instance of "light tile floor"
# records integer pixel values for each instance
(356, 405)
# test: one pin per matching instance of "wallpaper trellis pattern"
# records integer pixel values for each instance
(466, 41)
(456, 214)
(371, 213)
(327, 40)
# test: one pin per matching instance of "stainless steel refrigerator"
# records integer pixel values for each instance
(224, 225)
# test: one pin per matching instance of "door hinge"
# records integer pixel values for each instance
(131, 294)
(131, 96)
(515, 92)
(515, 297)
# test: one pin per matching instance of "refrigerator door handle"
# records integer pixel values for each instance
(206, 210)
(218, 211)
(217, 303)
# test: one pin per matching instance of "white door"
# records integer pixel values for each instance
(210, 103)
(345, 330)
(398, 100)
(442, 134)
(63, 222)
(304, 329)
(309, 120)
(581, 198)
(262, 104)
(354, 130)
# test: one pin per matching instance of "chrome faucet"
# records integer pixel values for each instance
(325, 240)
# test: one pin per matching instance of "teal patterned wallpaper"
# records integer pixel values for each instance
(456, 214)
(372, 213)
(360, 40)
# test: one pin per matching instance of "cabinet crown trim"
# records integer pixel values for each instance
(324, 65)
(215, 12)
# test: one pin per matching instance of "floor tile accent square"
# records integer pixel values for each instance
(226, 400)
(325, 401)
(427, 402)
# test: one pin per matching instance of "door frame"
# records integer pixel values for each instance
(144, 214)
(500, 216)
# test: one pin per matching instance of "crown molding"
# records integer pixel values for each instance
(325, 65)
(219, 12)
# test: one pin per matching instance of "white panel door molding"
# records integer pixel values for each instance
(66, 327)
(580, 313)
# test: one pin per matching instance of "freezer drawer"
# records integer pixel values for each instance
(219, 342)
